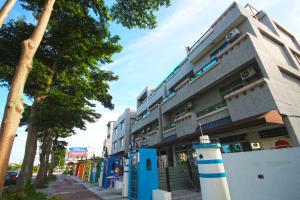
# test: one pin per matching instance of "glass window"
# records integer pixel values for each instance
(148, 164)
(122, 125)
(122, 142)
(231, 148)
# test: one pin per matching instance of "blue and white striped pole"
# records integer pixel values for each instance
(211, 170)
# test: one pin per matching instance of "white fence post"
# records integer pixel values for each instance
(125, 178)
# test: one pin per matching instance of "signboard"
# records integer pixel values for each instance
(78, 152)
(78, 149)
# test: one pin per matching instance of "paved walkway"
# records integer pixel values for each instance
(69, 189)
(73, 188)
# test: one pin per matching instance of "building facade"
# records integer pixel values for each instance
(121, 133)
(239, 83)
(107, 144)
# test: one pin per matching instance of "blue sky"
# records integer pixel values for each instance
(149, 55)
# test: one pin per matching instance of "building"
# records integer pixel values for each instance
(239, 83)
(107, 144)
(121, 133)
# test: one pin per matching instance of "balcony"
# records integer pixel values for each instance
(228, 61)
(213, 113)
(210, 110)
(169, 130)
(186, 123)
(250, 100)
(228, 20)
(147, 118)
(152, 98)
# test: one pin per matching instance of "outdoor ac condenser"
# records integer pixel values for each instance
(232, 34)
(255, 145)
(247, 73)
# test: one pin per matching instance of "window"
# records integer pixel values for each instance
(122, 142)
(122, 125)
(115, 145)
(231, 148)
(148, 164)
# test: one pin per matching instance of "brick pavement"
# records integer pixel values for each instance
(69, 189)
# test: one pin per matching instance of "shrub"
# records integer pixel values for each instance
(14, 193)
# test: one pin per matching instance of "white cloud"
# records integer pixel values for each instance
(95, 133)
(179, 22)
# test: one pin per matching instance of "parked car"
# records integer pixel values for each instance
(11, 177)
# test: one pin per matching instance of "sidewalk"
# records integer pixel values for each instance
(68, 189)
(108, 194)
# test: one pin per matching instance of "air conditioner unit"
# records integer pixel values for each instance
(255, 145)
(189, 105)
(232, 34)
(247, 73)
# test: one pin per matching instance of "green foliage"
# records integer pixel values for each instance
(24, 193)
(13, 167)
(35, 169)
(13, 193)
(69, 170)
(129, 13)
(137, 13)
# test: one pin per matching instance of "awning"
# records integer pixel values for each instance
(272, 117)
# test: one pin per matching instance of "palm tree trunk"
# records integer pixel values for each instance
(14, 105)
(5, 10)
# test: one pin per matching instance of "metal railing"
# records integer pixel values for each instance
(253, 11)
(212, 108)
(170, 126)
(210, 30)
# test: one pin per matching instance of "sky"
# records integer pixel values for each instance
(148, 56)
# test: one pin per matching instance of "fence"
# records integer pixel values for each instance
(268, 174)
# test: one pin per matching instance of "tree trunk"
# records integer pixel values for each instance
(25, 174)
(5, 10)
(52, 164)
(14, 105)
(41, 177)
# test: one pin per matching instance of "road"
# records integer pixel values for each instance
(68, 189)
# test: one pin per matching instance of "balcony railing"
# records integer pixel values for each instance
(169, 127)
(212, 108)
(206, 67)
(169, 96)
(211, 29)
(153, 131)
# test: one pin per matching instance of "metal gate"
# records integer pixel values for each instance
(133, 178)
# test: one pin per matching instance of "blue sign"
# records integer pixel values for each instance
(78, 149)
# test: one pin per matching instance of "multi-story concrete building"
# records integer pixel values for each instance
(107, 144)
(121, 132)
(240, 83)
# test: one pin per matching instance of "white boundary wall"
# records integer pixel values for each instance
(280, 169)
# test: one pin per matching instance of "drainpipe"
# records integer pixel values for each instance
(211, 170)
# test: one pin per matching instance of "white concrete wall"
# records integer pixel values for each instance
(280, 168)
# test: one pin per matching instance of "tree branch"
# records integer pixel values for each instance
(5, 10)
